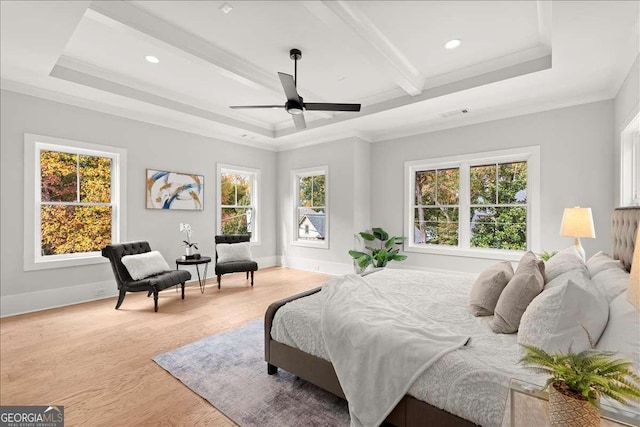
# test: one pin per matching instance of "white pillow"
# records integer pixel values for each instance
(621, 334)
(579, 275)
(144, 265)
(556, 320)
(566, 260)
(228, 252)
(602, 261)
(611, 282)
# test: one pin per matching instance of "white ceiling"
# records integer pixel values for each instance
(516, 57)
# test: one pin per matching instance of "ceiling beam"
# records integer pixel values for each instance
(227, 64)
(370, 38)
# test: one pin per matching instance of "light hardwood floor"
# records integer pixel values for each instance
(96, 361)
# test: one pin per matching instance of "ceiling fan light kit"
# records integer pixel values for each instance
(295, 104)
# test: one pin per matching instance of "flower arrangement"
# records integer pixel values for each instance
(186, 229)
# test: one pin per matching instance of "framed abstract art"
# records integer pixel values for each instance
(174, 190)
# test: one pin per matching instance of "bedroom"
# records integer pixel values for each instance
(574, 111)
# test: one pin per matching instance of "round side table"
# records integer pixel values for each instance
(197, 262)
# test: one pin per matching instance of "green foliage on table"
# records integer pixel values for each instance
(383, 251)
(590, 374)
(545, 256)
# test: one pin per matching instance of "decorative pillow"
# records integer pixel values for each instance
(228, 252)
(621, 334)
(144, 265)
(565, 260)
(611, 282)
(523, 287)
(602, 261)
(567, 317)
(580, 276)
(487, 288)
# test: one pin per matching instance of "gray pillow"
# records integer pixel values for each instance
(526, 284)
(487, 288)
(612, 282)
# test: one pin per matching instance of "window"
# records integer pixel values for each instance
(482, 205)
(311, 207)
(77, 209)
(630, 162)
(238, 207)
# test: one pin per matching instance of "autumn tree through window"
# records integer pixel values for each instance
(238, 203)
(75, 209)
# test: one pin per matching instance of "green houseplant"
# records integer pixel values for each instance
(578, 380)
(382, 249)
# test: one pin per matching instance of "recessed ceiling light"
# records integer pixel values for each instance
(452, 44)
(226, 8)
(152, 59)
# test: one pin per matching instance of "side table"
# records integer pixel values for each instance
(202, 260)
(527, 405)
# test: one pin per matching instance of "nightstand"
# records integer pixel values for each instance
(527, 407)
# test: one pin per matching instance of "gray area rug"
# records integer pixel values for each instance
(230, 372)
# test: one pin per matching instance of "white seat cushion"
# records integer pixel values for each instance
(228, 252)
(141, 266)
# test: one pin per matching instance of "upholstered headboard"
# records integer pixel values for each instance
(623, 230)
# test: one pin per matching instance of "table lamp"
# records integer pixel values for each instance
(577, 222)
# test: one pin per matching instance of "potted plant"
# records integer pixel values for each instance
(383, 250)
(578, 380)
(186, 229)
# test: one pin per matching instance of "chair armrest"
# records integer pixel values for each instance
(271, 312)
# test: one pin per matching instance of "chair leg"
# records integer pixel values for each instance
(219, 277)
(182, 290)
(271, 370)
(120, 298)
(155, 300)
(247, 275)
(252, 279)
(149, 294)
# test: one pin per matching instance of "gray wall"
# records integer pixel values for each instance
(576, 159)
(148, 146)
(349, 166)
(626, 107)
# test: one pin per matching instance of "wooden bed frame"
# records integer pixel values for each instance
(410, 412)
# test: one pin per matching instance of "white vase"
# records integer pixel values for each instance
(187, 250)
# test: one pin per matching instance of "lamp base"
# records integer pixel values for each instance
(580, 249)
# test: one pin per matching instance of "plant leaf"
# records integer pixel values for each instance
(357, 254)
(380, 234)
(367, 236)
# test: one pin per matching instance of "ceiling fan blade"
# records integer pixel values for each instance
(298, 119)
(289, 86)
(322, 106)
(239, 107)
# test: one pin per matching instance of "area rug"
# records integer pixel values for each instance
(229, 371)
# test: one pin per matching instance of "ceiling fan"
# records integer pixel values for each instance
(295, 104)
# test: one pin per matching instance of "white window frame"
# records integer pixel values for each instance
(529, 154)
(630, 164)
(295, 179)
(254, 175)
(33, 145)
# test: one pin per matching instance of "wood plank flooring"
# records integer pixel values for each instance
(96, 361)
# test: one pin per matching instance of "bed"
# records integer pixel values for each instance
(462, 388)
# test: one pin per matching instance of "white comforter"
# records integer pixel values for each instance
(471, 383)
(365, 331)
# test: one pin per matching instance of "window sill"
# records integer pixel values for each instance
(311, 244)
(500, 255)
(45, 264)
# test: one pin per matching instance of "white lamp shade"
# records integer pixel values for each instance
(633, 294)
(577, 222)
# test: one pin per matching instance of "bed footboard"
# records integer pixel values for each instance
(268, 321)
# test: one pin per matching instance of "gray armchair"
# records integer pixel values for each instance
(234, 266)
(152, 284)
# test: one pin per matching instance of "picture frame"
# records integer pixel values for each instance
(174, 190)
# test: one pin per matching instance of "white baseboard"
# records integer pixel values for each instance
(11, 305)
(318, 266)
